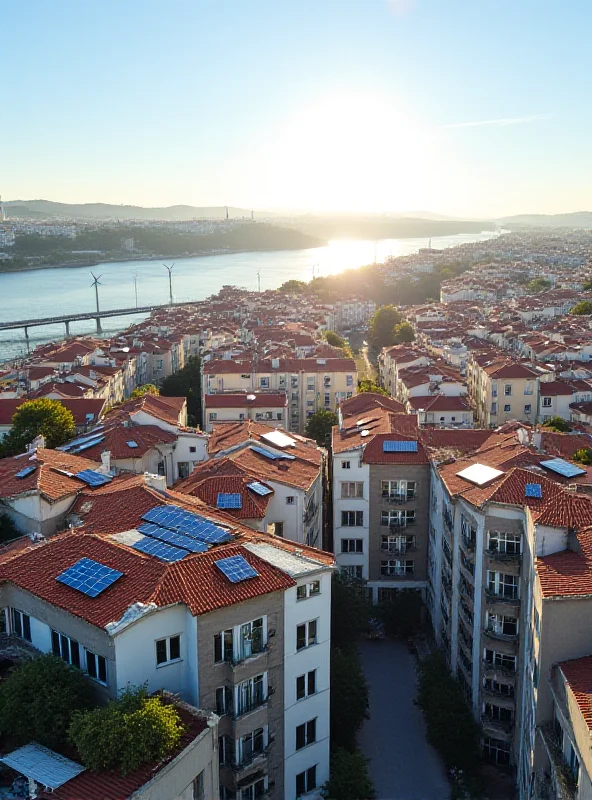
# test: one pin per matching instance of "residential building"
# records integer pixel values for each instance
(270, 408)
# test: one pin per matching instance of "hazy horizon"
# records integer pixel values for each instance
(375, 106)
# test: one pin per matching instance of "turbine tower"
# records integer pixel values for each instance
(96, 284)
(170, 270)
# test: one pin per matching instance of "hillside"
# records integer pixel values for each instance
(104, 211)
(576, 219)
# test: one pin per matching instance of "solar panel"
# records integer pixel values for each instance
(270, 455)
(161, 550)
(89, 444)
(533, 490)
(172, 537)
(234, 500)
(259, 488)
(397, 446)
(93, 478)
(80, 440)
(89, 577)
(236, 569)
(132, 444)
(22, 473)
(192, 525)
(563, 467)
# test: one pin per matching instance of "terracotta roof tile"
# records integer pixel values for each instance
(578, 676)
(45, 479)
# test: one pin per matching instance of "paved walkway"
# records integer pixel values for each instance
(402, 764)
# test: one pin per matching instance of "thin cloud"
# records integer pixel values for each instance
(500, 123)
(401, 7)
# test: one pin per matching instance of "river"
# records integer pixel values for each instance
(60, 290)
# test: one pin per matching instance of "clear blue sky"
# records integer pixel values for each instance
(327, 104)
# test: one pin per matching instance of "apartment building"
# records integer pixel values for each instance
(309, 383)
(393, 359)
(381, 488)
(270, 408)
(250, 643)
(442, 410)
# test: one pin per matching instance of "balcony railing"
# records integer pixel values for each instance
(468, 543)
(500, 637)
(504, 726)
(250, 758)
(498, 555)
(395, 524)
(397, 549)
(497, 596)
(256, 649)
(251, 705)
(397, 497)
(510, 673)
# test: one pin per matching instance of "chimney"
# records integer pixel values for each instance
(157, 482)
(105, 467)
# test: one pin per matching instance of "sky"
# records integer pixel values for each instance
(462, 107)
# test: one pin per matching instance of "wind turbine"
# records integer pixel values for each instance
(170, 270)
(96, 284)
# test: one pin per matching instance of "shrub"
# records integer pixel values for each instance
(349, 779)
(349, 697)
(583, 456)
(126, 733)
(38, 700)
(557, 424)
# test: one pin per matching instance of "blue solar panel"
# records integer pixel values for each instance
(86, 445)
(270, 455)
(172, 537)
(395, 446)
(93, 478)
(22, 473)
(533, 490)
(563, 467)
(80, 440)
(259, 488)
(154, 547)
(89, 577)
(236, 569)
(132, 444)
(229, 500)
(192, 525)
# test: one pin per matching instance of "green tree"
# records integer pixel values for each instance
(583, 456)
(350, 611)
(538, 285)
(403, 332)
(402, 614)
(349, 697)
(582, 309)
(49, 418)
(186, 383)
(319, 425)
(587, 286)
(334, 339)
(146, 388)
(8, 529)
(293, 287)
(126, 733)
(382, 326)
(38, 700)
(369, 386)
(451, 727)
(349, 778)
(557, 424)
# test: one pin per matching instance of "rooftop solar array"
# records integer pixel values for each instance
(22, 473)
(562, 467)
(161, 550)
(533, 490)
(397, 446)
(93, 478)
(41, 765)
(270, 455)
(236, 569)
(229, 500)
(89, 577)
(192, 525)
(259, 488)
(479, 474)
(81, 440)
(172, 537)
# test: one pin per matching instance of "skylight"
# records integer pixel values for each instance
(479, 474)
(278, 439)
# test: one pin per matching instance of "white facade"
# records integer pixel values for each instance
(348, 468)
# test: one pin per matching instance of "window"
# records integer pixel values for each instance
(168, 650)
(503, 585)
(184, 469)
(278, 415)
(246, 377)
(547, 402)
(497, 751)
(3, 622)
(21, 624)
(396, 567)
(500, 660)
(250, 694)
(537, 623)
(275, 528)
(306, 734)
(535, 673)
(290, 500)
(353, 571)
(327, 398)
(574, 762)
(264, 383)
(306, 634)
(499, 623)
(346, 464)
(198, 787)
(349, 380)
(254, 791)
(494, 408)
(213, 416)
(352, 545)
(505, 689)
(157, 364)
(224, 646)
(528, 389)
(308, 590)
(65, 648)
(397, 519)
(251, 745)
(96, 666)
(310, 384)
(397, 544)
(352, 489)
(527, 408)
(501, 542)
(306, 684)
(306, 781)
(352, 519)
(252, 639)
(193, 449)
(398, 491)
(224, 750)
(507, 389)
(498, 712)
(223, 700)
(507, 408)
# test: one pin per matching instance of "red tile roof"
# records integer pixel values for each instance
(578, 676)
(207, 489)
(45, 479)
(364, 401)
(241, 400)
(81, 408)
(116, 438)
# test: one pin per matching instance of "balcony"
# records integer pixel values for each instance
(497, 725)
(252, 759)
(256, 649)
(447, 516)
(498, 555)
(251, 705)
(500, 637)
(397, 524)
(560, 784)
(468, 543)
(397, 497)
(506, 671)
(509, 598)
(398, 549)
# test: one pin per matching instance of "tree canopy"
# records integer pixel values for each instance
(538, 285)
(349, 779)
(293, 287)
(557, 424)
(349, 697)
(382, 326)
(38, 699)
(583, 456)
(48, 418)
(334, 339)
(146, 388)
(126, 733)
(403, 332)
(319, 425)
(186, 383)
(370, 386)
(583, 308)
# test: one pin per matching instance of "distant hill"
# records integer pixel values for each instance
(576, 219)
(101, 211)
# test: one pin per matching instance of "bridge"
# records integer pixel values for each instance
(66, 319)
